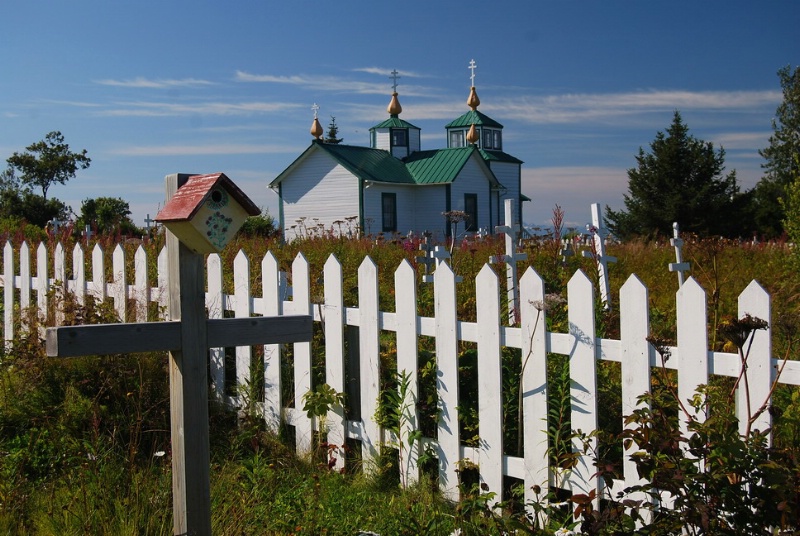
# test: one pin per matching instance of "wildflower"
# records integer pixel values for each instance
(159, 453)
(564, 532)
(737, 332)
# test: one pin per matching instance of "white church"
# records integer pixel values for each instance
(393, 186)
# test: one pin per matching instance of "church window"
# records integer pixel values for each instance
(456, 138)
(389, 212)
(498, 139)
(471, 209)
(487, 139)
(399, 137)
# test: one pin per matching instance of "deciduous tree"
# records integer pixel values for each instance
(48, 162)
(679, 180)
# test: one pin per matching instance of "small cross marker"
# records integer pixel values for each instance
(598, 234)
(511, 258)
(677, 266)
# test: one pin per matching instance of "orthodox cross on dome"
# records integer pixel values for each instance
(472, 67)
(395, 76)
(315, 107)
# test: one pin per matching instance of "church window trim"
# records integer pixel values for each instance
(399, 137)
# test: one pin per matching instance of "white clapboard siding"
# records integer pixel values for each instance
(691, 358)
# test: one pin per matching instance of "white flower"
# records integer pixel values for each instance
(159, 453)
(564, 532)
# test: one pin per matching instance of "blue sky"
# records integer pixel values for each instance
(155, 87)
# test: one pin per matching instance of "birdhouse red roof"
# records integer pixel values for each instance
(191, 196)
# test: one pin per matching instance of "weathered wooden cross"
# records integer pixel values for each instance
(677, 266)
(148, 221)
(599, 234)
(511, 258)
(187, 336)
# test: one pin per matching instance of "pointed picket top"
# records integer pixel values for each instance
(271, 284)
(99, 271)
(141, 283)
(301, 285)
(330, 262)
(755, 301)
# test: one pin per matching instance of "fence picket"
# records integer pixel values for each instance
(692, 345)
(141, 293)
(242, 308)
(98, 286)
(8, 293)
(755, 302)
(370, 364)
(332, 319)
(273, 306)
(216, 307)
(301, 305)
(24, 279)
(42, 281)
(635, 373)
(583, 380)
(120, 287)
(490, 380)
(533, 320)
(78, 286)
(448, 435)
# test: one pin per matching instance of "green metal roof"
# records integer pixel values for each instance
(441, 166)
(499, 156)
(394, 122)
(370, 164)
(473, 117)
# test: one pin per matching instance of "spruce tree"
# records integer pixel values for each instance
(333, 131)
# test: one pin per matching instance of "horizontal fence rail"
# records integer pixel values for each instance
(345, 368)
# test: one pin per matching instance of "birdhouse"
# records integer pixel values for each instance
(206, 212)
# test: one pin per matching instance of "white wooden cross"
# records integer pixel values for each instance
(472, 67)
(511, 258)
(315, 107)
(677, 266)
(437, 256)
(56, 224)
(566, 250)
(187, 336)
(599, 234)
(88, 233)
(395, 76)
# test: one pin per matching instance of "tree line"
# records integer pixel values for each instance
(681, 179)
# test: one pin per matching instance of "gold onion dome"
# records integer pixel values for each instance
(394, 107)
(473, 101)
(316, 129)
(472, 135)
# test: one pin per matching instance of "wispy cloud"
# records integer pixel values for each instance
(147, 83)
(331, 84)
(380, 71)
(574, 108)
(205, 149)
(161, 109)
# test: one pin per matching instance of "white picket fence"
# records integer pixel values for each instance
(691, 357)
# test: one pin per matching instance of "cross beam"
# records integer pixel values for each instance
(104, 339)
